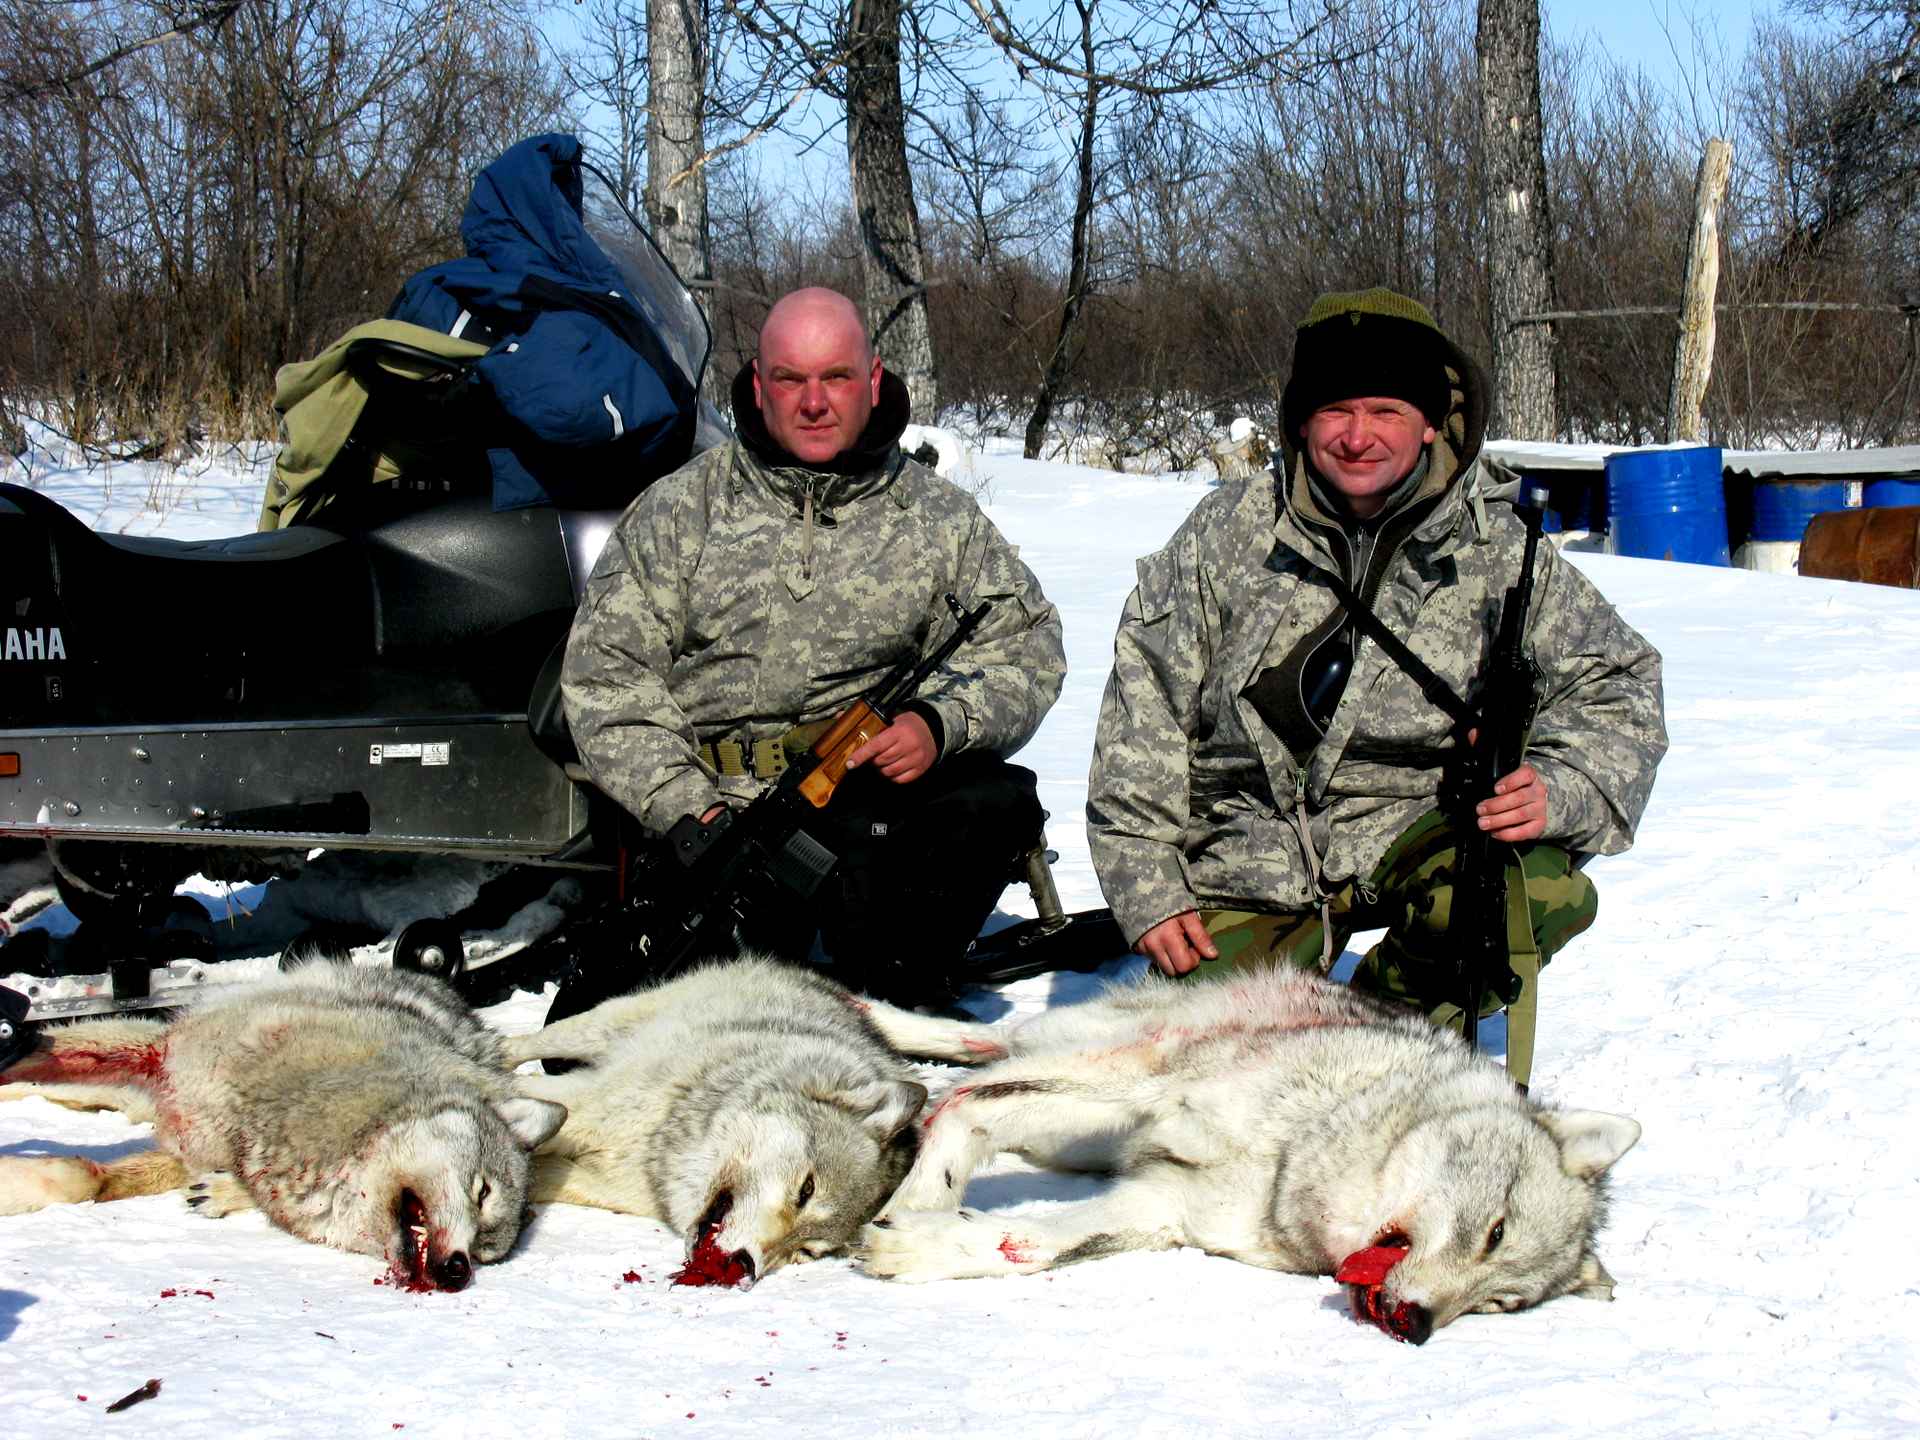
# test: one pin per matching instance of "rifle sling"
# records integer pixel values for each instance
(1416, 669)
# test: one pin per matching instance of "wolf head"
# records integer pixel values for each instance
(795, 1178)
(446, 1190)
(1494, 1208)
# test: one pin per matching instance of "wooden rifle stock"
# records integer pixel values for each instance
(868, 716)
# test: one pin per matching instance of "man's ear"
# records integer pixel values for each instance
(873, 380)
(757, 401)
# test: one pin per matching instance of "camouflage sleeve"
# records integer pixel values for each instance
(1137, 789)
(632, 736)
(1601, 728)
(998, 687)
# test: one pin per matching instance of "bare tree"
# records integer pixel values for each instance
(188, 219)
(607, 73)
(676, 136)
(1102, 63)
(895, 261)
(1858, 128)
(1519, 227)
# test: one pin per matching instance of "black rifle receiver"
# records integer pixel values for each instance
(1509, 697)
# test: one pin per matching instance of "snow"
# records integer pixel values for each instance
(1747, 994)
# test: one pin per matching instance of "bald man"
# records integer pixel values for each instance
(749, 597)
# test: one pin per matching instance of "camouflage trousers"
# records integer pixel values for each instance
(1410, 893)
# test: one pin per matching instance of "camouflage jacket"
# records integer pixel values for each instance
(724, 607)
(1196, 802)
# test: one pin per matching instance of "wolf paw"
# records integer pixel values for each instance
(940, 1245)
(929, 1187)
(33, 1182)
(217, 1194)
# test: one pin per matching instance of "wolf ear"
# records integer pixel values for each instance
(885, 1107)
(1594, 1283)
(533, 1122)
(1590, 1140)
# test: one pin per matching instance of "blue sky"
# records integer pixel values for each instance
(1657, 33)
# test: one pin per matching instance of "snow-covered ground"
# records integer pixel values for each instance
(1748, 995)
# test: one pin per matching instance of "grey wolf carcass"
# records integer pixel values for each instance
(759, 1110)
(365, 1109)
(1275, 1119)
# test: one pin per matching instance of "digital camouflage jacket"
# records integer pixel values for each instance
(726, 607)
(1196, 801)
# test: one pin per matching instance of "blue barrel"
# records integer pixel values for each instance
(1668, 505)
(1782, 506)
(1576, 500)
(1892, 490)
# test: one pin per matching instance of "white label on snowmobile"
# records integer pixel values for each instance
(34, 642)
(434, 752)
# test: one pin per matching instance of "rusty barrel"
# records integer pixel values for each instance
(1880, 546)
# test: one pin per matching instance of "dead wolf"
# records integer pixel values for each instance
(1276, 1119)
(758, 1109)
(365, 1109)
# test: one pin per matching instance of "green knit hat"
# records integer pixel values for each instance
(1367, 342)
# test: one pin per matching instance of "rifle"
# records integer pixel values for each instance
(726, 867)
(1509, 697)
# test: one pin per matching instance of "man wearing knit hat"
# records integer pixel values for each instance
(1266, 779)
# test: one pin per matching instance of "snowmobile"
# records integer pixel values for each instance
(382, 676)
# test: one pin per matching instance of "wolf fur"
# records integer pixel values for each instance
(1272, 1118)
(749, 1105)
(365, 1109)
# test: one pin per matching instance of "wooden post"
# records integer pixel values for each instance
(1693, 351)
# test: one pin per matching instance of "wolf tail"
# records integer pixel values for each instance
(29, 1183)
(932, 1037)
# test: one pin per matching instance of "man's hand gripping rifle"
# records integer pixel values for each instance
(736, 860)
(1491, 743)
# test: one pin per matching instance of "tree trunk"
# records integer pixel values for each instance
(1693, 351)
(1519, 230)
(892, 258)
(1060, 362)
(676, 137)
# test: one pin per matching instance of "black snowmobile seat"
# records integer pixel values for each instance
(125, 597)
(444, 610)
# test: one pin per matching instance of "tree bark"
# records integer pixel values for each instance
(1519, 229)
(893, 260)
(676, 199)
(1693, 351)
(1060, 361)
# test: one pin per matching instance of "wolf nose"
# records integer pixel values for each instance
(745, 1262)
(454, 1272)
(1411, 1323)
